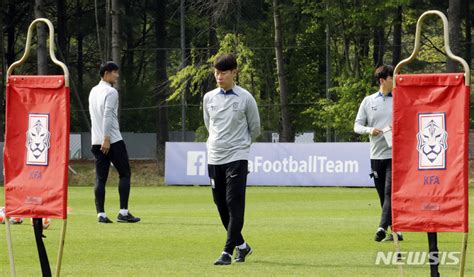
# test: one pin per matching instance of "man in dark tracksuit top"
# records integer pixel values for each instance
(375, 114)
(232, 119)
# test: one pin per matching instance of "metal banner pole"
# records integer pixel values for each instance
(397, 252)
(10, 246)
(463, 255)
(61, 247)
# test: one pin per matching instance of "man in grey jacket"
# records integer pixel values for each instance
(232, 119)
(375, 115)
(107, 143)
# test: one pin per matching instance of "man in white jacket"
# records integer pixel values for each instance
(107, 143)
(375, 115)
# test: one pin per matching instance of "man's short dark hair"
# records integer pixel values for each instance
(225, 62)
(108, 66)
(383, 72)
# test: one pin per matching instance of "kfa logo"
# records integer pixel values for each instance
(235, 106)
(37, 139)
(196, 163)
(432, 141)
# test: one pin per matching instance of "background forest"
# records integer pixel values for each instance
(308, 63)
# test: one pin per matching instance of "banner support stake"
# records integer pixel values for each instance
(10, 247)
(396, 243)
(463, 255)
(61, 247)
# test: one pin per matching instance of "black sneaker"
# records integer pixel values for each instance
(380, 235)
(129, 218)
(224, 259)
(390, 237)
(104, 219)
(242, 253)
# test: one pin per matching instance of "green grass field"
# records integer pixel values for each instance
(294, 232)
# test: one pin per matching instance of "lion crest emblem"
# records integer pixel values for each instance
(432, 141)
(37, 139)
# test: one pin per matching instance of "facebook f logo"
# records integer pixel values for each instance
(196, 163)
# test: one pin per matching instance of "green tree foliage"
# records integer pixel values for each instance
(340, 111)
(194, 77)
(360, 36)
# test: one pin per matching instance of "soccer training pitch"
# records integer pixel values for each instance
(294, 231)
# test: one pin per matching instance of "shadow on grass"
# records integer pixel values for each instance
(311, 265)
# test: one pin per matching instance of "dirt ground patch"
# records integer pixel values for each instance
(144, 173)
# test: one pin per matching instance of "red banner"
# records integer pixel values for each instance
(430, 153)
(36, 153)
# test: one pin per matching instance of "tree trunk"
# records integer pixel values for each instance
(347, 54)
(2, 72)
(212, 42)
(287, 134)
(379, 49)
(115, 37)
(212, 47)
(328, 75)
(183, 64)
(357, 57)
(454, 17)
(61, 29)
(161, 77)
(377, 42)
(103, 56)
(140, 64)
(397, 37)
(128, 68)
(10, 27)
(80, 49)
(115, 49)
(467, 10)
(41, 34)
(108, 33)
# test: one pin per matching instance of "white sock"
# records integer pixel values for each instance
(101, 215)
(380, 229)
(242, 246)
(123, 212)
(225, 253)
